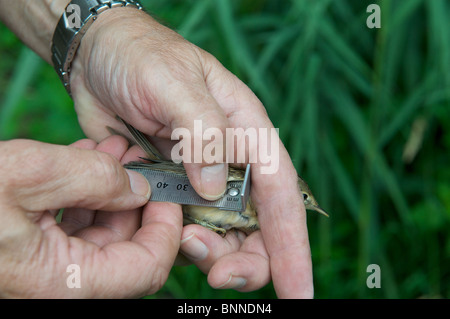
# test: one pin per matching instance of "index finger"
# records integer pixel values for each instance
(282, 217)
(277, 198)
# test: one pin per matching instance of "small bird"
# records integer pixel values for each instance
(215, 219)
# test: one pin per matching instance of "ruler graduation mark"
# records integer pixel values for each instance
(171, 187)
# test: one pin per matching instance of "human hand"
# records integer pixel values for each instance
(122, 251)
(130, 65)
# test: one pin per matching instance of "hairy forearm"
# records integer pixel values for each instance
(33, 21)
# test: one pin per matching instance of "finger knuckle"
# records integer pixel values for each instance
(109, 171)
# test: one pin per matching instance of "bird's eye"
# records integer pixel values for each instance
(305, 196)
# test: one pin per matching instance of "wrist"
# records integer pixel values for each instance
(113, 40)
(73, 25)
(33, 22)
(110, 28)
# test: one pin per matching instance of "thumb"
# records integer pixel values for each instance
(51, 176)
(199, 123)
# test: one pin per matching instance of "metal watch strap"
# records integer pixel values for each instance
(67, 37)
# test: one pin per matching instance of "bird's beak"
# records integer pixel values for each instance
(319, 210)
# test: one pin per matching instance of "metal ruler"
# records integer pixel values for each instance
(171, 187)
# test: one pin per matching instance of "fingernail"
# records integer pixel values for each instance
(194, 248)
(233, 283)
(213, 179)
(139, 184)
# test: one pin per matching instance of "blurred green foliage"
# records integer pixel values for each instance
(363, 112)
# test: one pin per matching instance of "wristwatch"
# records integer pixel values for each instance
(73, 24)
